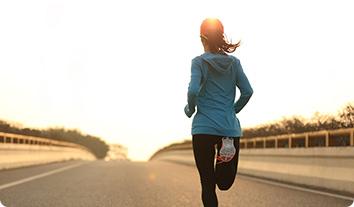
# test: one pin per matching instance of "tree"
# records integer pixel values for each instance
(98, 147)
(347, 116)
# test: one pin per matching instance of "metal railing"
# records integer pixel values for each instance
(9, 138)
(325, 138)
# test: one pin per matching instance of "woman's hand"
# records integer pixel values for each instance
(188, 111)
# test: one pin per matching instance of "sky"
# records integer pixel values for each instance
(120, 70)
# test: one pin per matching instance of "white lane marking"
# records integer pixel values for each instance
(297, 188)
(35, 177)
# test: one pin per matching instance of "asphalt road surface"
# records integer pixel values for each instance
(145, 184)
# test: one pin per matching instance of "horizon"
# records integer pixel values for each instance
(121, 73)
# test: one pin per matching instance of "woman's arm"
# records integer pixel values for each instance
(245, 88)
(193, 88)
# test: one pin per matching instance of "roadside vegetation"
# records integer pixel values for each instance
(298, 124)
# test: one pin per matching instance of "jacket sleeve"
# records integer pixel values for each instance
(193, 88)
(245, 88)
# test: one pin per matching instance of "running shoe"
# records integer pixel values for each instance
(227, 151)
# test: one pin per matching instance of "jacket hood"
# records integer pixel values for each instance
(220, 62)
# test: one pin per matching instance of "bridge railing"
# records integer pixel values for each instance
(331, 138)
(21, 150)
(323, 138)
(9, 138)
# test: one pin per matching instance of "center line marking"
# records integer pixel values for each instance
(35, 177)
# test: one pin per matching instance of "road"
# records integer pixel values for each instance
(145, 184)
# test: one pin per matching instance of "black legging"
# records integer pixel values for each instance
(222, 175)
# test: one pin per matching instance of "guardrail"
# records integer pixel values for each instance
(22, 150)
(323, 138)
(9, 138)
(332, 138)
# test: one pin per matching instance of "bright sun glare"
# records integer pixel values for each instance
(121, 71)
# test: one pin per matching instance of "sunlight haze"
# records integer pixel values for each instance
(120, 70)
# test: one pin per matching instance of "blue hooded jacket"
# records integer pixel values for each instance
(212, 90)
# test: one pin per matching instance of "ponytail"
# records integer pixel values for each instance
(212, 32)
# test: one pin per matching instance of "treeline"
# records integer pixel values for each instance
(297, 124)
(98, 147)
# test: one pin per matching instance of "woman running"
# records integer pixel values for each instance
(212, 89)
